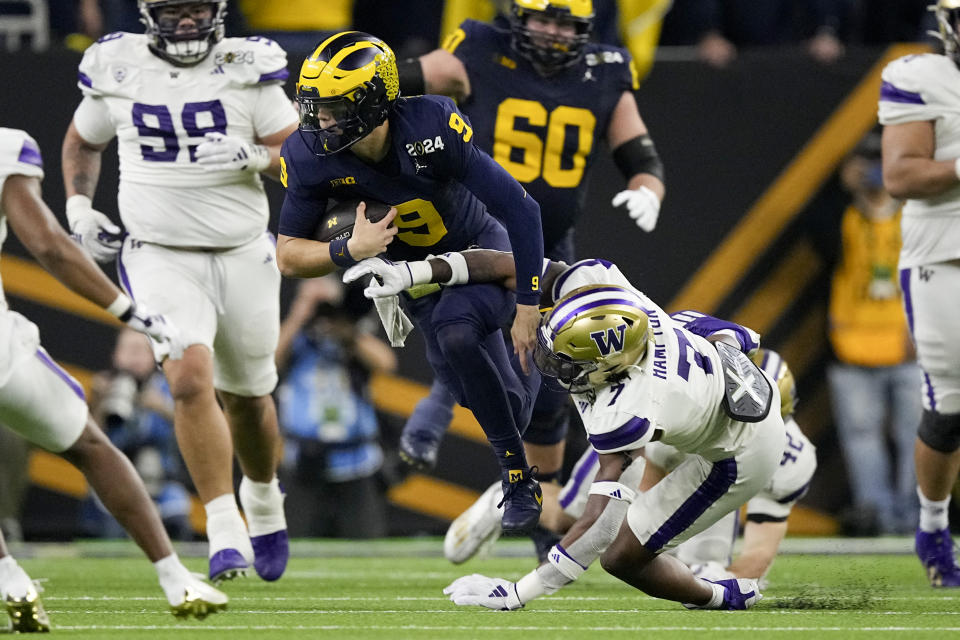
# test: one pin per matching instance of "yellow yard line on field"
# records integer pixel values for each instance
(399, 396)
(26, 279)
(788, 194)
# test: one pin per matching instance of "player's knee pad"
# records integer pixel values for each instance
(940, 431)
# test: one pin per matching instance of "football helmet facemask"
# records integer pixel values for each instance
(551, 52)
(593, 335)
(183, 49)
(346, 89)
(948, 23)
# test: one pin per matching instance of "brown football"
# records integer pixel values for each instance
(339, 218)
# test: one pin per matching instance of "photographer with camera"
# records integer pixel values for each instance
(326, 354)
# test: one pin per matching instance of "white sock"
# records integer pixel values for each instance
(933, 513)
(263, 506)
(225, 527)
(717, 598)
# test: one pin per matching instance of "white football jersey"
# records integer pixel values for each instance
(19, 338)
(920, 88)
(676, 388)
(160, 113)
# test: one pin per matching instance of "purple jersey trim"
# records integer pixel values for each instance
(558, 285)
(580, 474)
(30, 154)
(63, 375)
(796, 495)
(279, 74)
(84, 79)
(122, 272)
(633, 430)
(890, 93)
(907, 299)
(716, 484)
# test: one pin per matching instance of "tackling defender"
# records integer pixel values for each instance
(45, 405)
(921, 141)
(198, 117)
(359, 139)
(708, 553)
(636, 376)
(527, 91)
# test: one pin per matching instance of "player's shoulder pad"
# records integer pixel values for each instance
(917, 73)
(592, 271)
(19, 154)
(110, 61)
(251, 61)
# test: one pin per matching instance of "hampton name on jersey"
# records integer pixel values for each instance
(19, 338)
(160, 114)
(922, 88)
(677, 387)
(439, 181)
(543, 131)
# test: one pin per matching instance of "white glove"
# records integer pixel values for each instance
(390, 278)
(93, 230)
(643, 205)
(492, 593)
(160, 330)
(227, 153)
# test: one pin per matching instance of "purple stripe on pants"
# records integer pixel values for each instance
(66, 377)
(717, 483)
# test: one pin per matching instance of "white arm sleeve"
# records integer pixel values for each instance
(93, 122)
(273, 111)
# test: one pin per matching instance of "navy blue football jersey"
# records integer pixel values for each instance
(543, 131)
(443, 187)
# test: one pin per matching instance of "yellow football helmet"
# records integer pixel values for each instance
(776, 367)
(948, 23)
(183, 49)
(551, 52)
(346, 89)
(592, 336)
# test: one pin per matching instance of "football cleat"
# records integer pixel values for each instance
(198, 600)
(476, 528)
(270, 554)
(936, 553)
(522, 503)
(27, 614)
(227, 564)
(739, 594)
(419, 448)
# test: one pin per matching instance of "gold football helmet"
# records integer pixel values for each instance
(592, 336)
(183, 49)
(774, 365)
(948, 24)
(550, 53)
(346, 89)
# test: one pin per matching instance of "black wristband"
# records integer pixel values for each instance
(410, 72)
(340, 254)
(126, 315)
(638, 155)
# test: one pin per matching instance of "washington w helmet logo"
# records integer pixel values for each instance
(610, 340)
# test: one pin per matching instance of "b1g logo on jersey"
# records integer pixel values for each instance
(425, 146)
(243, 56)
(604, 57)
(340, 182)
(610, 340)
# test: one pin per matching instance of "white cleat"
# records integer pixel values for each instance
(193, 597)
(476, 528)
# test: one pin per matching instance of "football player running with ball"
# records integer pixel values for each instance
(525, 90)
(198, 117)
(636, 376)
(359, 139)
(44, 404)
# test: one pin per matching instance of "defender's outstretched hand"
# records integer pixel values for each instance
(389, 278)
(492, 593)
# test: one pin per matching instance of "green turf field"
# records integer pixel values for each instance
(393, 591)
